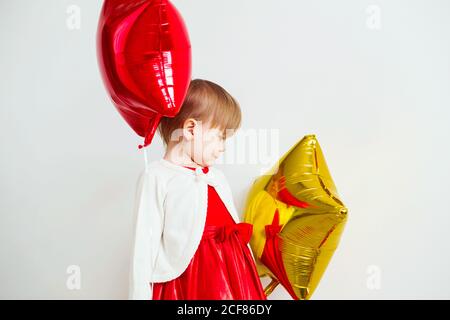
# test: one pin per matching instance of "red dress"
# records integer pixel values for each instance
(222, 268)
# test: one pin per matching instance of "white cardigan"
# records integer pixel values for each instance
(170, 215)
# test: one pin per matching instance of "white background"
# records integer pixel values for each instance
(370, 78)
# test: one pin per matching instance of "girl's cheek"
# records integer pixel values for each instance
(208, 149)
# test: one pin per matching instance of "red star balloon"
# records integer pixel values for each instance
(144, 55)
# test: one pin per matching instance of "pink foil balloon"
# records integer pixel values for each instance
(144, 55)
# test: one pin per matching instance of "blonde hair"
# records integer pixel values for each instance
(205, 101)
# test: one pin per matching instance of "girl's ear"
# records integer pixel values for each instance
(189, 128)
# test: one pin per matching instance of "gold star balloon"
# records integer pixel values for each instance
(297, 218)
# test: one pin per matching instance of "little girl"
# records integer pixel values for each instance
(189, 243)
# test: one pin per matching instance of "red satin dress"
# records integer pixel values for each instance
(222, 268)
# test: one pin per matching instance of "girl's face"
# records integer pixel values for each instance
(207, 144)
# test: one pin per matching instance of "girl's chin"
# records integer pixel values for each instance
(208, 163)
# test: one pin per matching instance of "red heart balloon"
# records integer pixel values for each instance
(144, 55)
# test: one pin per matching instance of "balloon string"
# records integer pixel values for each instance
(152, 256)
(145, 159)
(151, 229)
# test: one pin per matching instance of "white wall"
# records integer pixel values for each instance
(375, 92)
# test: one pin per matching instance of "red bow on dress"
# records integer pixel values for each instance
(244, 231)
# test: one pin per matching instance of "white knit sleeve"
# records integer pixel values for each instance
(148, 226)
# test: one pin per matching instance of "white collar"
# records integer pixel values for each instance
(208, 177)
